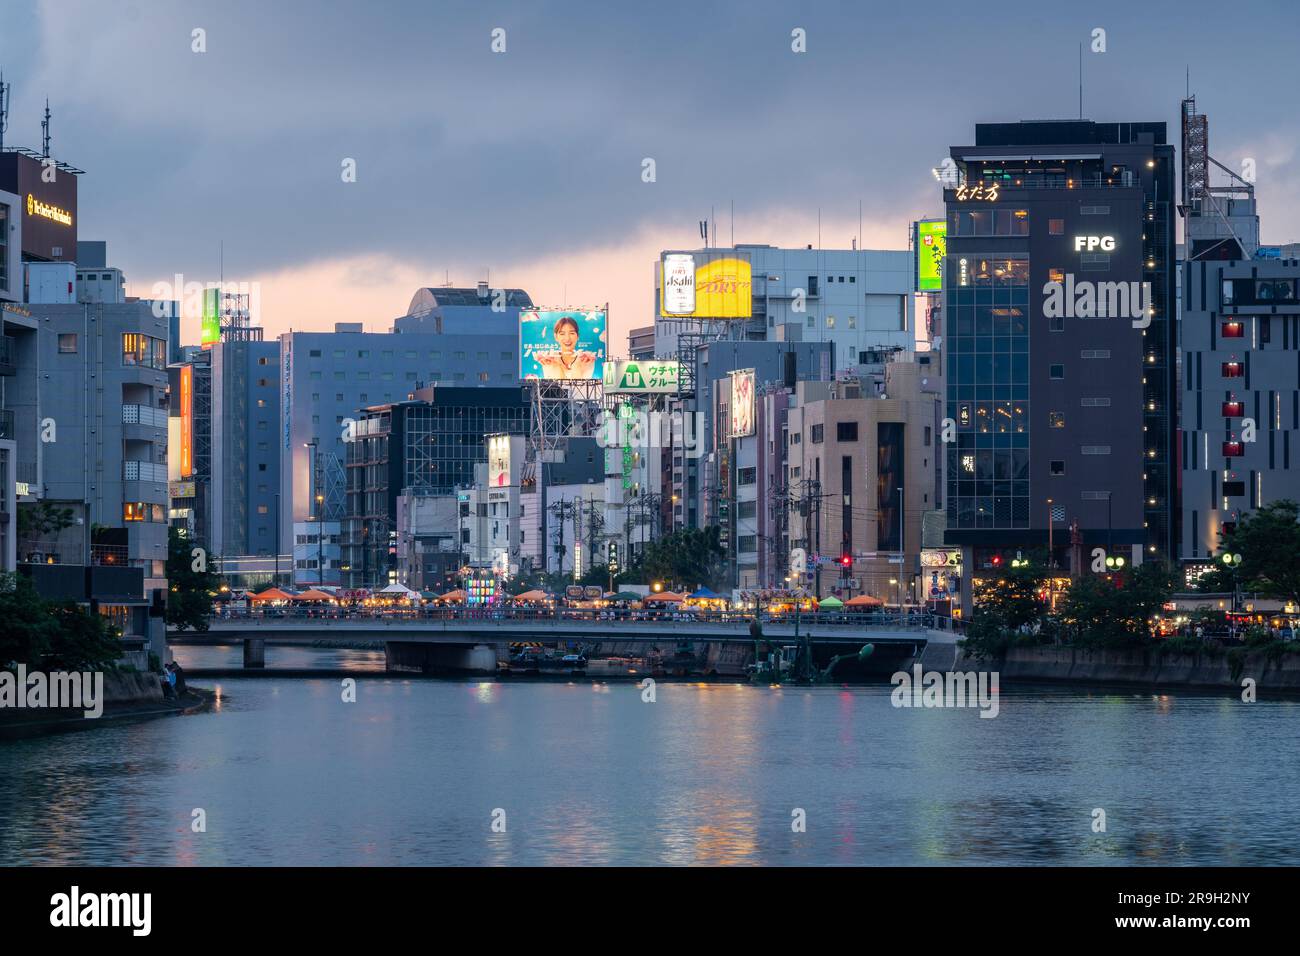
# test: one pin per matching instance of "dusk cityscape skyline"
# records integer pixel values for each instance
(535, 180)
(552, 436)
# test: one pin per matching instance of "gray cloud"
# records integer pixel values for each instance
(464, 155)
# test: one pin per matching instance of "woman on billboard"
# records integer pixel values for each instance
(568, 361)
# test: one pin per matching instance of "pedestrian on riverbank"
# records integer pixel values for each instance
(178, 678)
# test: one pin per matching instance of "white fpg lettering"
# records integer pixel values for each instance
(103, 909)
(1089, 243)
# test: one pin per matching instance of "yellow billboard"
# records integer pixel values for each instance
(705, 285)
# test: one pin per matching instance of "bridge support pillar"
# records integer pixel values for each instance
(440, 658)
(254, 652)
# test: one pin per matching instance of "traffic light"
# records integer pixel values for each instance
(846, 561)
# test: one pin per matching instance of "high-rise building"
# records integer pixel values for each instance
(694, 474)
(463, 338)
(1240, 410)
(1060, 341)
(245, 472)
(428, 445)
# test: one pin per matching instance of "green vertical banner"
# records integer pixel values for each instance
(931, 246)
(210, 330)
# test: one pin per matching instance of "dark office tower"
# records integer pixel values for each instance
(1059, 285)
(427, 445)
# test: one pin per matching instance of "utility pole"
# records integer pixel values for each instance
(902, 551)
(1051, 563)
(817, 532)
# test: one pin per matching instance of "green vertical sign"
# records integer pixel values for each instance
(210, 330)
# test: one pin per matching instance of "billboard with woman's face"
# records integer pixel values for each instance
(562, 344)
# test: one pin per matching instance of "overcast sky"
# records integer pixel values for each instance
(528, 163)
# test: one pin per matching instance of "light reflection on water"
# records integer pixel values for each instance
(708, 774)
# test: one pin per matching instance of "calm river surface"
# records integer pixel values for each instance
(412, 772)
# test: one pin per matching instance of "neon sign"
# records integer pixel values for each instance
(977, 193)
(37, 208)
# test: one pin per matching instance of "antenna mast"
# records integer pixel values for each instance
(45, 130)
(4, 109)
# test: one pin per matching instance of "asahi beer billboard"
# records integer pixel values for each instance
(655, 377)
(705, 285)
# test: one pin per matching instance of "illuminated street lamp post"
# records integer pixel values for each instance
(1233, 561)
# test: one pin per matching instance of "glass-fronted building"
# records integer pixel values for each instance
(1059, 291)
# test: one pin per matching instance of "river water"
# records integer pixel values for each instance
(415, 772)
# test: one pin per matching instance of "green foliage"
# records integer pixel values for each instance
(1009, 611)
(52, 635)
(686, 558)
(1268, 540)
(41, 520)
(1189, 645)
(189, 594)
(1115, 610)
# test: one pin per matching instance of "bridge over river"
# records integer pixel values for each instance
(711, 645)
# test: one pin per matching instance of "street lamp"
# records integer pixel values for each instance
(1233, 561)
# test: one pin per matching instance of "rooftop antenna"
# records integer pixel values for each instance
(1080, 80)
(45, 131)
(4, 109)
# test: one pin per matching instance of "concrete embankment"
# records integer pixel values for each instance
(1148, 667)
(127, 695)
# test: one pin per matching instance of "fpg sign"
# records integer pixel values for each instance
(1094, 243)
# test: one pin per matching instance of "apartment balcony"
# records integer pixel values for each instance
(143, 471)
(144, 423)
(144, 415)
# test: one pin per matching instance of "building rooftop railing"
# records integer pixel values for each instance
(1043, 182)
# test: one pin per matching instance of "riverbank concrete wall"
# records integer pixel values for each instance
(1146, 667)
(132, 687)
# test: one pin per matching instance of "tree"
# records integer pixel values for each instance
(687, 557)
(1115, 610)
(28, 631)
(1268, 540)
(83, 641)
(1007, 608)
(190, 588)
(52, 635)
(38, 521)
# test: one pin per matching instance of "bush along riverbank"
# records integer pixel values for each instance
(60, 668)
